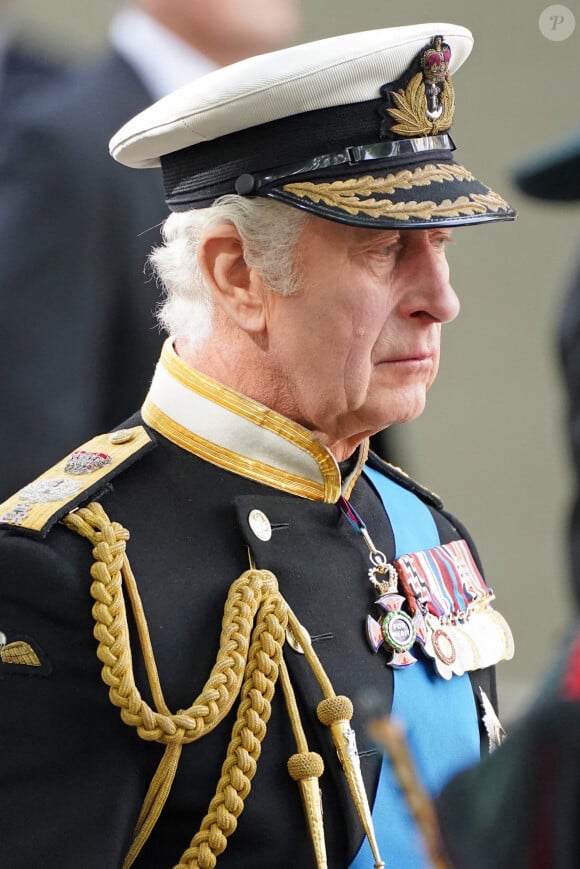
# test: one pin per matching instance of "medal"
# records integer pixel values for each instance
(394, 629)
(444, 646)
(438, 599)
(441, 646)
(507, 633)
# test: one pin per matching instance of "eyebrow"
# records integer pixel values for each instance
(377, 237)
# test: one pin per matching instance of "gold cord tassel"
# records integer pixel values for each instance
(335, 713)
(306, 769)
(248, 733)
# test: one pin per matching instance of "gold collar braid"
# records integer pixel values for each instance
(247, 666)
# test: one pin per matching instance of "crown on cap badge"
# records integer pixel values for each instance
(435, 66)
(426, 106)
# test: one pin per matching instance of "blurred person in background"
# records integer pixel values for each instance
(22, 68)
(521, 808)
(78, 339)
(553, 177)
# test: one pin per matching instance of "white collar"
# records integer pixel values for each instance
(162, 60)
(234, 432)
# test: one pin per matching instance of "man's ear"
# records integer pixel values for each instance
(238, 289)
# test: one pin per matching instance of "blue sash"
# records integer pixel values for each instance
(440, 717)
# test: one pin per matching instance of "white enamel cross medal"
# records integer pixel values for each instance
(396, 631)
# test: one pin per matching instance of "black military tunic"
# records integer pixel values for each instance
(73, 776)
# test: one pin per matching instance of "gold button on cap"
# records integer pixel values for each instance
(260, 525)
(123, 436)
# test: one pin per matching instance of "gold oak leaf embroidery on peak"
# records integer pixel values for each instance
(491, 200)
(334, 191)
(411, 111)
(478, 203)
(346, 194)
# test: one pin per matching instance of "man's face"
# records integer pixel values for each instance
(357, 346)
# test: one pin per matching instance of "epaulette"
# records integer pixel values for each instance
(400, 476)
(73, 480)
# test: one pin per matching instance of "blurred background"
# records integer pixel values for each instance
(491, 442)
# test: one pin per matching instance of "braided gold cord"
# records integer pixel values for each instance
(248, 732)
(252, 597)
(111, 630)
(249, 671)
(154, 801)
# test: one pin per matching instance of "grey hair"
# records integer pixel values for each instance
(269, 233)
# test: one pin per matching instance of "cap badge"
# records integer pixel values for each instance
(435, 66)
(426, 106)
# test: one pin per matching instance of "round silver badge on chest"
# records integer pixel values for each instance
(260, 525)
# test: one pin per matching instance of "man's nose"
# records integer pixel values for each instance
(430, 291)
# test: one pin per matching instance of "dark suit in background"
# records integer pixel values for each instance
(78, 339)
(22, 71)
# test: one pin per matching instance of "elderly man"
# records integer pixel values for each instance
(314, 192)
(59, 187)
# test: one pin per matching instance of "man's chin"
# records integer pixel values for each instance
(403, 407)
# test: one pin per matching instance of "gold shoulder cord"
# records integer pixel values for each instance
(248, 664)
